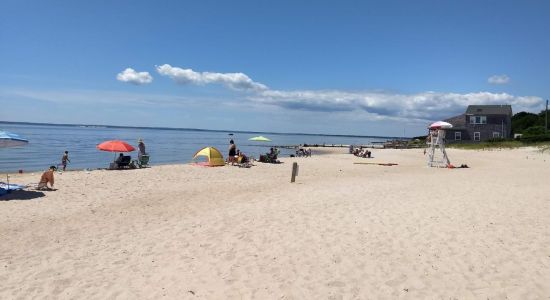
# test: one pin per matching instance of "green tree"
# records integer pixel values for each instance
(534, 131)
(524, 120)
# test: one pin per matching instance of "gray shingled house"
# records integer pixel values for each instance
(481, 123)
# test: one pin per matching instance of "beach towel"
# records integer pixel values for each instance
(11, 186)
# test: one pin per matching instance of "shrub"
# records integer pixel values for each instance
(535, 138)
(534, 131)
(496, 140)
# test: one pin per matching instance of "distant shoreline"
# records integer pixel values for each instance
(199, 129)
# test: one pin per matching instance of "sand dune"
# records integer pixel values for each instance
(342, 231)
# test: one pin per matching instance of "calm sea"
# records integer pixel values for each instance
(48, 142)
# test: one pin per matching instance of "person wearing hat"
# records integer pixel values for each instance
(47, 177)
(141, 147)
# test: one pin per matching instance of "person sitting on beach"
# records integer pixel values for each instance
(271, 157)
(241, 157)
(365, 154)
(120, 158)
(47, 177)
(273, 153)
(121, 162)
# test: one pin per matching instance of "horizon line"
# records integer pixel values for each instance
(199, 129)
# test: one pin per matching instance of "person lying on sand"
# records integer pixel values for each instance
(47, 177)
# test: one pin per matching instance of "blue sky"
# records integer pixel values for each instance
(339, 67)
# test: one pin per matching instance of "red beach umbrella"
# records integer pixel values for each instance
(115, 146)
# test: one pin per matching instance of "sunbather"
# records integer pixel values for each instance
(120, 158)
(47, 177)
(242, 159)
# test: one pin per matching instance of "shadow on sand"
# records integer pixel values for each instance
(21, 195)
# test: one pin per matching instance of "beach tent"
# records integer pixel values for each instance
(215, 158)
(8, 139)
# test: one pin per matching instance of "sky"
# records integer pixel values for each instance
(336, 67)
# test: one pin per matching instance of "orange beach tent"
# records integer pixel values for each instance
(215, 158)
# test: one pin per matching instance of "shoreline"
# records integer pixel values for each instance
(331, 150)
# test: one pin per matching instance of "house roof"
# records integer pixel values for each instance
(459, 122)
(489, 110)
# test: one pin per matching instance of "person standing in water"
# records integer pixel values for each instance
(64, 160)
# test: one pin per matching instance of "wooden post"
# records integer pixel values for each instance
(294, 172)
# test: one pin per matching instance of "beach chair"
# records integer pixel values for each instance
(243, 162)
(270, 159)
(124, 163)
(142, 161)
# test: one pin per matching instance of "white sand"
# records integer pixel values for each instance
(343, 231)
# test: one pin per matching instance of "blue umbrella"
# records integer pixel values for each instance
(8, 139)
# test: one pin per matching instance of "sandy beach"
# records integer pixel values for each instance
(342, 231)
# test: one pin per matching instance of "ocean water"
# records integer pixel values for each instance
(165, 146)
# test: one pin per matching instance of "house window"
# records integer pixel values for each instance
(496, 134)
(478, 119)
(477, 136)
(458, 136)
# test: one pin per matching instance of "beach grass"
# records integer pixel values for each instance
(505, 144)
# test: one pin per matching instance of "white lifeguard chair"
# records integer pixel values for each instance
(437, 156)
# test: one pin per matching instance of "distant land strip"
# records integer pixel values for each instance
(206, 130)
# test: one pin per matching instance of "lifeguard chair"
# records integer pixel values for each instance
(437, 156)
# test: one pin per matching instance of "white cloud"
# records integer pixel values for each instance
(131, 76)
(419, 106)
(499, 79)
(235, 81)
(373, 105)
